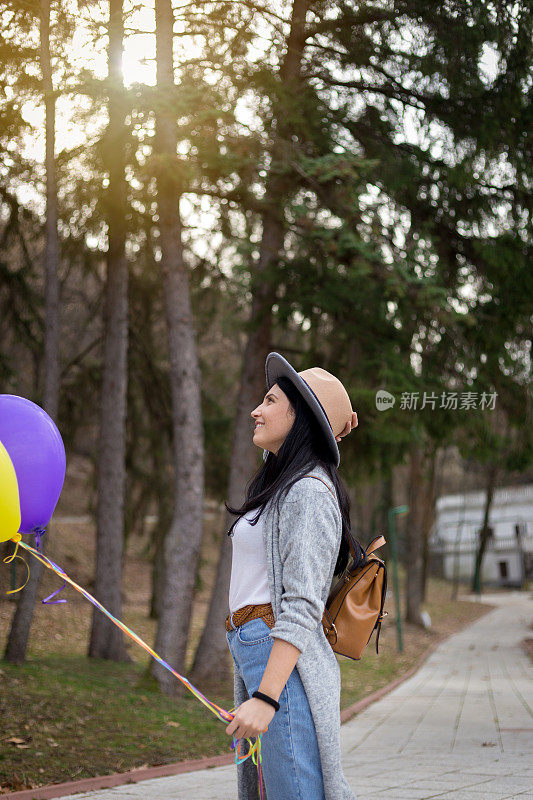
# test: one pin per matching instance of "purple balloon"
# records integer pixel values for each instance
(36, 449)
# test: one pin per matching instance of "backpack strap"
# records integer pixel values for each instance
(308, 475)
(382, 613)
(375, 544)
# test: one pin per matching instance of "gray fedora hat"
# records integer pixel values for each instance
(324, 394)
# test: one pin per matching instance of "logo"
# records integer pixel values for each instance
(384, 400)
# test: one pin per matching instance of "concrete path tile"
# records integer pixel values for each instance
(462, 794)
(397, 793)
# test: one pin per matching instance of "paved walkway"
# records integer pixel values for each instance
(461, 727)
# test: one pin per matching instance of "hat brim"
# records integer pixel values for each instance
(276, 366)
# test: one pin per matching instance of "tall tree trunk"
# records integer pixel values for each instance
(22, 619)
(106, 639)
(182, 545)
(414, 540)
(485, 528)
(211, 659)
(158, 568)
(430, 485)
(165, 513)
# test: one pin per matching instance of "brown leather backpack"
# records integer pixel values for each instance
(354, 608)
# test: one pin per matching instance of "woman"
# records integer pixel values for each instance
(287, 544)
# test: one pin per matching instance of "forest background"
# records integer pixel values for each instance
(186, 187)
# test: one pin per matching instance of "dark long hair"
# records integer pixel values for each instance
(304, 448)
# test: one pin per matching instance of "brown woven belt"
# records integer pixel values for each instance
(247, 613)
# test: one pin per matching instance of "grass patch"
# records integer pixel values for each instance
(71, 717)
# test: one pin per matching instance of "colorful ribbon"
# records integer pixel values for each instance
(9, 559)
(254, 748)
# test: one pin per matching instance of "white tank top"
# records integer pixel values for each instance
(249, 579)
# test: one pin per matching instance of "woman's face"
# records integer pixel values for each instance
(273, 420)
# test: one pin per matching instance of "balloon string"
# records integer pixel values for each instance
(38, 534)
(254, 748)
(48, 600)
(9, 559)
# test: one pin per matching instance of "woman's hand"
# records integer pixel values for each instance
(251, 718)
(353, 423)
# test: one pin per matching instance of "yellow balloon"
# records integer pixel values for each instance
(9, 499)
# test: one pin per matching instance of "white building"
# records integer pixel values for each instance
(508, 559)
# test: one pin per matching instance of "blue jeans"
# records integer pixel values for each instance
(290, 756)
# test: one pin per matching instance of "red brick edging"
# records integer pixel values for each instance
(192, 765)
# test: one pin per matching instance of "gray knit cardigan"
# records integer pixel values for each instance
(302, 543)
